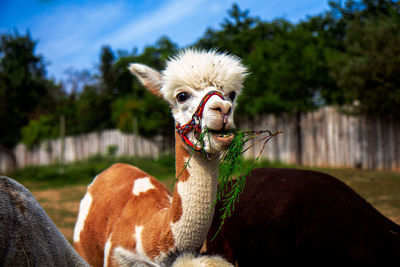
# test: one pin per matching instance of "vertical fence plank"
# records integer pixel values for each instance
(329, 138)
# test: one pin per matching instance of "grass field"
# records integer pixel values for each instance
(59, 188)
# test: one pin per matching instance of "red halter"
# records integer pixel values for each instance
(195, 122)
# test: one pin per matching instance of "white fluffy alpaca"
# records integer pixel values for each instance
(139, 218)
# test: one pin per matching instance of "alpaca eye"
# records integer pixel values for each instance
(232, 95)
(182, 97)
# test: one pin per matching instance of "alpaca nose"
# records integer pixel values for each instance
(223, 107)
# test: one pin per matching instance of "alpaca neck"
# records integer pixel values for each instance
(193, 198)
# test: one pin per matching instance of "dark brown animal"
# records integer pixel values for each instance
(304, 218)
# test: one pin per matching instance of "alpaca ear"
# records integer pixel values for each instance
(149, 77)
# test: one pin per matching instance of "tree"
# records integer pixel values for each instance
(76, 80)
(135, 106)
(92, 107)
(24, 89)
(39, 129)
(107, 59)
(149, 114)
(288, 66)
(349, 54)
(237, 35)
(289, 69)
(367, 69)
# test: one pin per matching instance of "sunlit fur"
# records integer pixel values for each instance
(132, 219)
(201, 69)
(185, 259)
(190, 260)
(197, 73)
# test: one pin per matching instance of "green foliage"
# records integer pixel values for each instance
(148, 114)
(93, 110)
(368, 67)
(112, 150)
(232, 171)
(107, 74)
(123, 114)
(288, 66)
(347, 55)
(83, 172)
(136, 107)
(24, 89)
(40, 129)
(230, 166)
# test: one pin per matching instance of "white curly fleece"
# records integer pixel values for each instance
(200, 69)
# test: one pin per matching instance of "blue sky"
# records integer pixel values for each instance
(71, 33)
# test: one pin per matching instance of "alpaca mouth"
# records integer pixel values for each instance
(223, 136)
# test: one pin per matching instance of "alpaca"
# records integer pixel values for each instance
(28, 237)
(128, 212)
(177, 259)
(295, 217)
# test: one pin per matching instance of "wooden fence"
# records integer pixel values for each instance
(323, 138)
(81, 147)
(327, 138)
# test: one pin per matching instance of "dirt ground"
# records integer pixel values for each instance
(62, 206)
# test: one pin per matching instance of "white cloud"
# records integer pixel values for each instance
(70, 34)
(70, 31)
(171, 13)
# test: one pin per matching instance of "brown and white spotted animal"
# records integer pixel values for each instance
(127, 211)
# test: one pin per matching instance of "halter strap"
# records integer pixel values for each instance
(195, 123)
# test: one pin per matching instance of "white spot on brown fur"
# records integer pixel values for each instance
(142, 185)
(139, 245)
(107, 250)
(84, 208)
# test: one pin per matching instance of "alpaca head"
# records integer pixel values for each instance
(192, 77)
